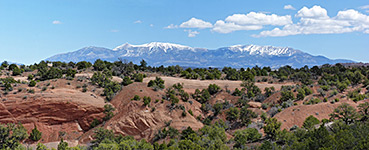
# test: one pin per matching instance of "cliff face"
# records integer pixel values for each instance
(56, 113)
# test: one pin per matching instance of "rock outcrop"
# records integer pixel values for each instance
(56, 113)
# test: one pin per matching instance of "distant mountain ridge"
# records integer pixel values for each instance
(156, 54)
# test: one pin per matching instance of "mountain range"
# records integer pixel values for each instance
(238, 56)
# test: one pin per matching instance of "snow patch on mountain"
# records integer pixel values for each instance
(157, 53)
(154, 46)
(263, 50)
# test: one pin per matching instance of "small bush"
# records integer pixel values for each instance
(146, 100)
(213, 89)
(190, 112)
(30, 77)
(32, 83)
(32, 91)
(184, 114)
(94, 123)
(35, 134)
(44, 88)
(158, 83)
(136, 98)
(264, 106)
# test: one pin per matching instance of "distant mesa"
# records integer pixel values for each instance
(167, 54)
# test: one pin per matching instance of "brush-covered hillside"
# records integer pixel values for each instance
(122, 105)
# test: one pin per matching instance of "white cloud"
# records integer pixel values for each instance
(137, 21)
(171, 26)
(114, 30)
(316, 21)
(196, 23)
(314, 12)
(228, 27)
(364, 7)
(151, 25)
(57, 22)
(254, 18)
(250, 21)
(192, 33)
(289, 7)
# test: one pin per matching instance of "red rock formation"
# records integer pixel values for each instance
(60, 112)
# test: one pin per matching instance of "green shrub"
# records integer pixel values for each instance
(32, 91)
(264, 106)
(35, 134)
(32, 83)
(136, 98)
(184, 114)
(84, 89)
(94, 123)
(190, 112)
(310, 122)
(158, 82)
(138, 77)
(241, 137)
(213, 89)
(126, 81)
(146, 100)
(44, 88)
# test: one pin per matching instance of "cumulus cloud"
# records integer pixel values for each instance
(254, 18)
(316, 21)
(192, 33)
(171, 26)
(314, 12)
(228, 27)
(137, 21)
(289, 7)
(57, 22)
(196, 23)
(313, 20)
(250, 21)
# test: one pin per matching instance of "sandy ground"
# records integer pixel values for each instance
(89, 75)
(191, 85)
(296, 115)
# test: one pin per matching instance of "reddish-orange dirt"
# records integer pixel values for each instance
(57, 113)
(296, 115)
(139, 121)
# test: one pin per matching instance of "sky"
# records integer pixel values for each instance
(31, 31)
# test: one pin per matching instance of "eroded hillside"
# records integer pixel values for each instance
(79, 102)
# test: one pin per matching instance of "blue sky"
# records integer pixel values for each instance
(34, 30)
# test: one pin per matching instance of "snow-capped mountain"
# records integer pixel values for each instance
(166, 54)
(263, 50)
(128, 50)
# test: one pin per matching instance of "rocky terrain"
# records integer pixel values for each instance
(74, 108)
